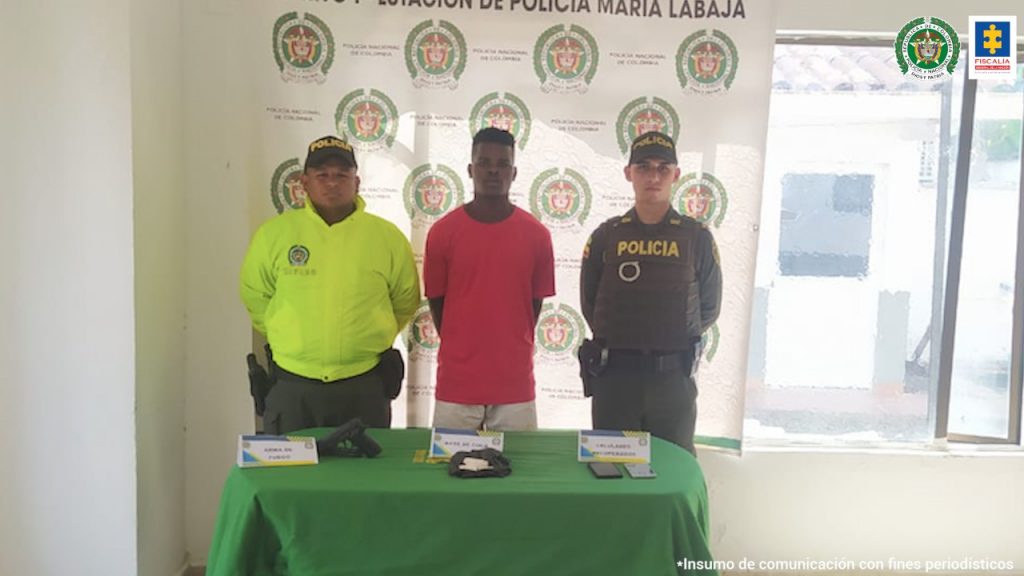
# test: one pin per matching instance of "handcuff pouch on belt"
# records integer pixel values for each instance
(391, 369)
(593, 359)
(261, 380)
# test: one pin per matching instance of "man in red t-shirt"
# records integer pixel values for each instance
(488, 267)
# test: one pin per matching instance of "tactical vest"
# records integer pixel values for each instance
(643, 296)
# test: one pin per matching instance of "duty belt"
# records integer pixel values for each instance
(650, 361)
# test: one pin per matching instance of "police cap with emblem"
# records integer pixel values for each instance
(653, 146)
(327, 148)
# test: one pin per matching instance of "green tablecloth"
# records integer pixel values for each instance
(393, 516)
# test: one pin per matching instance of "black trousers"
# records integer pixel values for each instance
(295, 403)
(664, 404)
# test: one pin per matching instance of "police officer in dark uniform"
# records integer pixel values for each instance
(650, 285)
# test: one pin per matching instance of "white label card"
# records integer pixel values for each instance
(260, 450)
(614, 446)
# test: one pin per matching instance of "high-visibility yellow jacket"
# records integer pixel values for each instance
(329, 298)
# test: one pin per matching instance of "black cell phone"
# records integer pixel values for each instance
(605, 470)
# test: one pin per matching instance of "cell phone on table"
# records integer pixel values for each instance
(640, 471)
(604, 470)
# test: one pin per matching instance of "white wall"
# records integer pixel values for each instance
(67, 352)
(884, 16)
(160, 232)
(792, 505)
(217, 179)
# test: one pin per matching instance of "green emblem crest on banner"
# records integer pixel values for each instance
(709, 342)
(645, 114)
(367, 119)
(927, 49)
(435, 55)
(503, 111)
(432, 192)
(706, 62)
(560, 199)
(701, 197)
(303, 48)
(565, 59)
(421, 337)
(286, 190)
(559, 332)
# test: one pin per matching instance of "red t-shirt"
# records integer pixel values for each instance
(489, 275)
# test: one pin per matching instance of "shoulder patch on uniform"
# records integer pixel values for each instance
(714, 253)
(586, 248)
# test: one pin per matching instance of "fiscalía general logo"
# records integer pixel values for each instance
(504, 111)
(286, 191)
(431, 192)
(701, 197)
(422, 338)
(706, 62)
(560, 198)
(435, 54)
(368, 119)
(646, 114)
(559, 332)
(993, 49)
(565, 59)
(927, 49)
(303, 48)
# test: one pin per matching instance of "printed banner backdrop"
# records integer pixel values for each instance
(408, 82)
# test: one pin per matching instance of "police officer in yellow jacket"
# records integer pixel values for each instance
(330, 286)
(650, 285)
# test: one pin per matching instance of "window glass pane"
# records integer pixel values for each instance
(825, 225)
(848, 249)
(979, 397)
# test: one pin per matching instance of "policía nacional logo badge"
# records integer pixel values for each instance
(368, 119)
(927, 49)
(303, 48)
(298, 255)
(431, 192)
(286, 190)
(706, 62)
(565, 59)
(435, 54)
(559, 332)
(701, 197)
(422, 338)
(646, 114)
(504, 111)
(560, 198)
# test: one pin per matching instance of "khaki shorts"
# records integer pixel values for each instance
(500, 417)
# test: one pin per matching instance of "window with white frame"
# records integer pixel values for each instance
(855, 252)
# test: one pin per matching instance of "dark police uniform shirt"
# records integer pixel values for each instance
(650, 286)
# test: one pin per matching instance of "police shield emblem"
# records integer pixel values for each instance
(303, 48)
(368, 119)
(504, 111)
(565, 59)
(645, 114)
